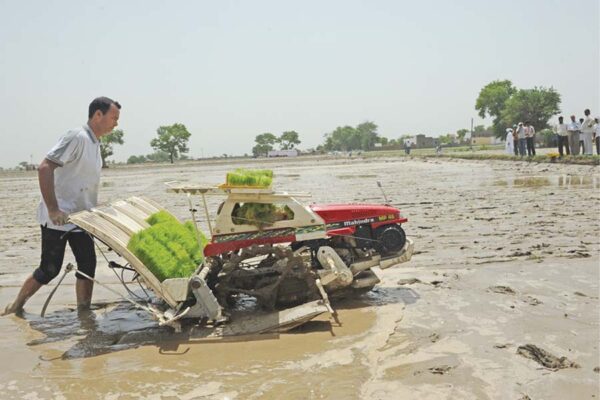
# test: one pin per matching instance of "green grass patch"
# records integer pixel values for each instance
(168, 248)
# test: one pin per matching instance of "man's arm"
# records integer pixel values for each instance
(46, 181)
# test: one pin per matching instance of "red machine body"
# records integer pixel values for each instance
(340, 220)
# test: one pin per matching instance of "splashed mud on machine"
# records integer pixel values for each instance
(290, 267)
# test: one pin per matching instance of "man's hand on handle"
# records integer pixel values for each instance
(58, 217)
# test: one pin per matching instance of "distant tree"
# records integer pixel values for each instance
(367, 131)
(288, 140)
(158, 156)
(445, 139)
(348, 138)
(548, 137)
(136, 159)
(461, 133)
(479, 129)
(264, 144)
(107, 142)
(492, 100)
(383, 140)
(172, 139)
(536, 105)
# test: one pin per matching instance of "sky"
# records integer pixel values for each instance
(230, 70)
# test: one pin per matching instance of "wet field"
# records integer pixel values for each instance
(507, 255)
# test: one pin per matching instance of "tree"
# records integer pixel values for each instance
(158, 156)
(367, 132)
(107, 142)
(461, 133)
(491, 101)
(536, 105)
(171, 139)
(288, 140)
(264, 144)
(348, 138)
(136, 159)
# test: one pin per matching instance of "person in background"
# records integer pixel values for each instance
(509, 142)
(522, 139)
(69, 177)
(597, 134)
(587, 133)
(573, 131)
(407, 146)
(563, 136)
(515, 140)
(580, 149)
(530, 137)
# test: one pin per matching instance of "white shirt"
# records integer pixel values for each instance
(561, 129)
(588, 125)
(573, 126)
(77, 179)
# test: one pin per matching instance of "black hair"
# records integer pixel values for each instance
(102, 104)
(587, 111)
(560, 119)
(527, 123)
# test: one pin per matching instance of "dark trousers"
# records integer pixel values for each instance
(530, 147)
(54, 243)
(598, 145)
(563, 141)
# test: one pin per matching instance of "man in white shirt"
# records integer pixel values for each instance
(530, 137)
(563, 137)
(69, 177)
(573, 132)
(522, 138)
(587, 133)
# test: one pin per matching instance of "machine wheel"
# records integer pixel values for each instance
(391, 238)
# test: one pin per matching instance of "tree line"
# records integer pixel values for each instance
(500, 100)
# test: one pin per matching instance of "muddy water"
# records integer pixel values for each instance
(533, 228)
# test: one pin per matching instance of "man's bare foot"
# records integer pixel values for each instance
(11, 309)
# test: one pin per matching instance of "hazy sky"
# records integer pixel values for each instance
(230, 70)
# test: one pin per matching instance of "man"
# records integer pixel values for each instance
(581, 148)
(509, 142)
(515, 140)
(522, 139)
(597, 133)
(69, 178)
(587, 133)
(530, 138)
(573, 131)
(563, 137)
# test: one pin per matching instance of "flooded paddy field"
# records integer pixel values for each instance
(503, 285)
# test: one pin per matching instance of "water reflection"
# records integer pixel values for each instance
(567, 181)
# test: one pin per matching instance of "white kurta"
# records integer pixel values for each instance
(509, 143)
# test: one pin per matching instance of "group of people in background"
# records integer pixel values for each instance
(578, 137)
(521, 138)
(574, 138)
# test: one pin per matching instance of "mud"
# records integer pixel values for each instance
(431, 329)
(544, 358)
